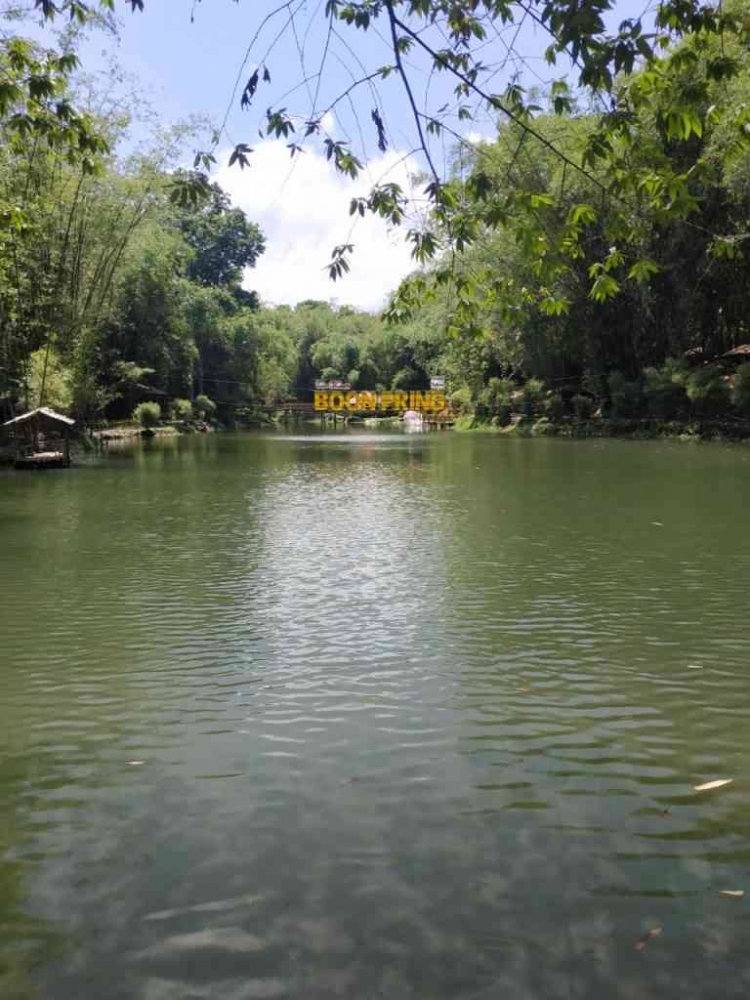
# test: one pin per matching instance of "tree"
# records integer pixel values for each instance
(147, 325)
(601, 233)
(620, 73)
(223, 240)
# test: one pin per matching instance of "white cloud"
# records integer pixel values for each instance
(302, 206)
(475, 138)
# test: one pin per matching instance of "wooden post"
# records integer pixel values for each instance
(67, 447)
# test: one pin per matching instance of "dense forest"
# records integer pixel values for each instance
(124, 277)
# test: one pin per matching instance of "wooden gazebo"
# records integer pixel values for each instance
(41, 439)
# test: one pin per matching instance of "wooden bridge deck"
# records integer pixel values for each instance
(42, 460)
(296, 408)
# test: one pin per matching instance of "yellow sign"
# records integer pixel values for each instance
(372, 401)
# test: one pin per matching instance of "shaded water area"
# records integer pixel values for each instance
(376, 716)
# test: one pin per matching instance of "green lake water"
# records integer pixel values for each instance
(376, 716)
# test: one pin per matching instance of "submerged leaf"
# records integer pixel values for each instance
(712, 784)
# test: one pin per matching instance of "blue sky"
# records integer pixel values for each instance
(190, 67)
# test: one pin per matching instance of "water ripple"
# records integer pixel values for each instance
(364, 715)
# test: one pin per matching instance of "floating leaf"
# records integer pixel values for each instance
(645, 939)
(732, 893)
(712, 784)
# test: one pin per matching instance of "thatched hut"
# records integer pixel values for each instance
(40, 439)
(737, 356)
(696, 356)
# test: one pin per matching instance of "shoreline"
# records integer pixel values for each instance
(643, 429)
(125, 433)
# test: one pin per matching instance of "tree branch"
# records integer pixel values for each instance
(492, 101)
(393, 20)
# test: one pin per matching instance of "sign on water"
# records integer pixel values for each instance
(433, 401)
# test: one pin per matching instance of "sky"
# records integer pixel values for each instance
(187, 57)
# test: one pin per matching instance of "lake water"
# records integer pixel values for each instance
(376, 716)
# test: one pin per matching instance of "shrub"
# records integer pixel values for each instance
(531, 397)
(554, 406)
(741, 389)
(182, 409)
(461, 399)
(664, 389)
(205, 407)
(706, 391)
(625, 396)
(496, 398)
(594, 384)
(147, 414)
(250, 416)
(542, 427)
(583, 406)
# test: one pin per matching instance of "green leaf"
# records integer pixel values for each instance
(643, 270)
(605, 287)
(551, 306)
(582, 215)
(541, 201)
(240, 155)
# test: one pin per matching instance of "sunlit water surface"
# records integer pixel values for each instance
(376, 716)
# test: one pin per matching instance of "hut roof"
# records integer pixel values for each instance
(42, 413)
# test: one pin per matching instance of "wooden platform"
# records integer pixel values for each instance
(42, 460)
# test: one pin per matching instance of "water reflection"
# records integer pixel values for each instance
(364, 715)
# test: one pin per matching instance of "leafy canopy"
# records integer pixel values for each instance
(650, 89)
